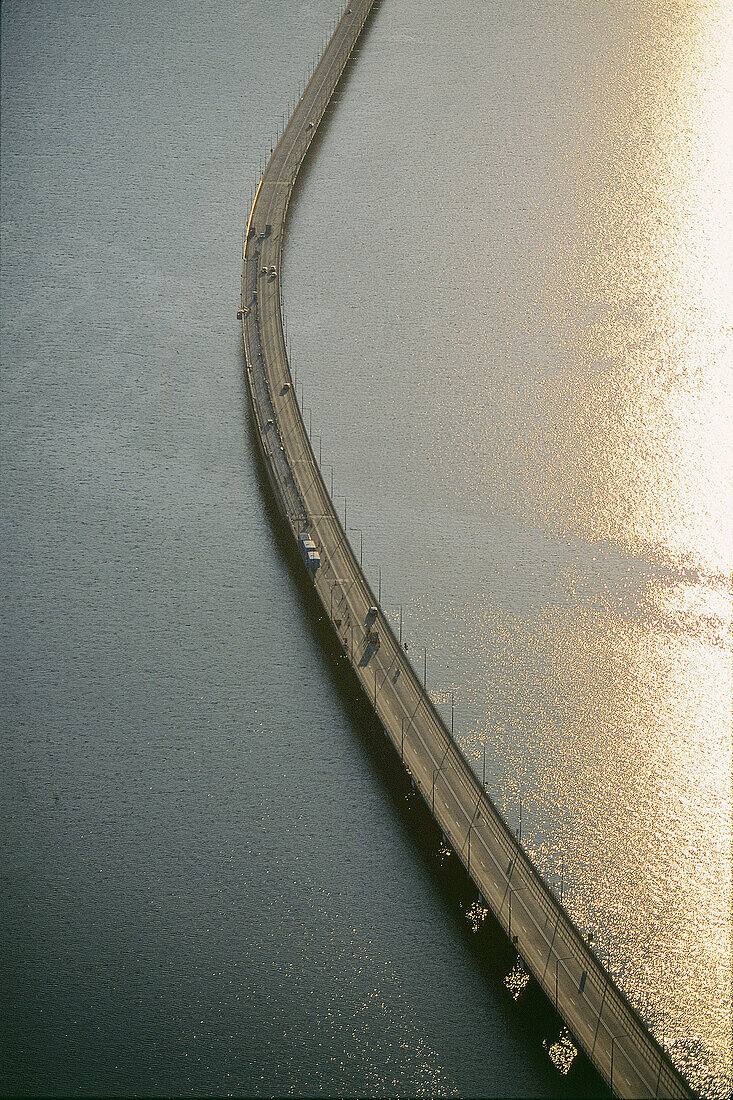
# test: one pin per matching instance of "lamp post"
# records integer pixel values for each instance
(436, 773)
(558, 960)
(600, 1014)
(475, 819)
(514, 890)
(661, 1058)
(412, 719)
(361, 542)
(621, 1035)
(346, 587)
(340, 534)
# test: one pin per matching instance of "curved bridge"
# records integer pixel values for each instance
(599, 1017)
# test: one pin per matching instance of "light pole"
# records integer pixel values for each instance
(621, 1035)
(361, 542)
(346, 587)
(561, 958)
(600, 1014)
(340, 534)
(475, 819)
(412, 719)
(425, 668)
(661, 1058)
(436, 773)
(514, 890)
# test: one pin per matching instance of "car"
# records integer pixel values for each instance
(263, 271)
(272, 272)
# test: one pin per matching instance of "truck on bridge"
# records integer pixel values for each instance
(309, 551)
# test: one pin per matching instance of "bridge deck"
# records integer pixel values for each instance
(599, 1017)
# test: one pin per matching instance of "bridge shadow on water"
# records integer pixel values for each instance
(531, 1017)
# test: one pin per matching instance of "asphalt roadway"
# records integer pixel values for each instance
(598, 1016)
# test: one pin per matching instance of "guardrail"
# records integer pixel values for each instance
(291, 501)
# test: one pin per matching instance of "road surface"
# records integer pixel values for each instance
(598, 1016)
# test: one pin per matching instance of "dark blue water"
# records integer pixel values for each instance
(211, 882)
(206, 886)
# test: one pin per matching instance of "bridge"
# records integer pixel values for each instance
(598, 1016)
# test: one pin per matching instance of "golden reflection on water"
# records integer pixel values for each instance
(583, 439)
(633, 440)
(649, 385)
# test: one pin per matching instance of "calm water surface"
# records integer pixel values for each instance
(515, 337)
(506, 296)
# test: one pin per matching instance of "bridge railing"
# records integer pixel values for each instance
(520, 862)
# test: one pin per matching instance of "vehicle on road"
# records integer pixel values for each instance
(309, 551)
